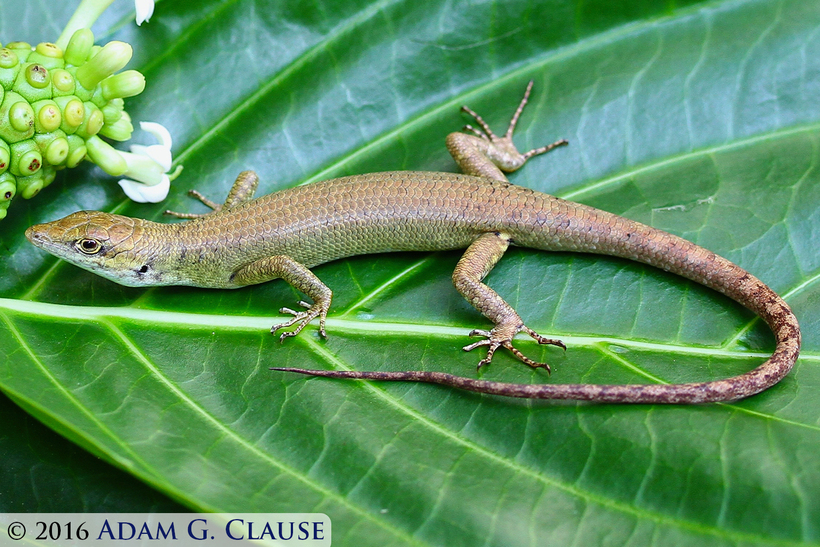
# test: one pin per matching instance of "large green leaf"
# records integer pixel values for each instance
(702, 119)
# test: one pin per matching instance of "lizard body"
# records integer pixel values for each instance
(281, 235)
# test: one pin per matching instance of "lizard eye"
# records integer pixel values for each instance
(89, 246)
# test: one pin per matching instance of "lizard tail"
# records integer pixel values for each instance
(777, 314)
(779, 317)
(635, 241)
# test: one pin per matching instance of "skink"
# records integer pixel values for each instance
(282, 235)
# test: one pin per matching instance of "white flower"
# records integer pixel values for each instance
(148, 166)
(144, 9)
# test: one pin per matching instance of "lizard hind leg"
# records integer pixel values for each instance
(486, 154)
(478, 260)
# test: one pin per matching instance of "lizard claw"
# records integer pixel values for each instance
(497, 338)
(542, 340)
(302, 318)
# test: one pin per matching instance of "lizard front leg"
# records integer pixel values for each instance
(479, 258)
(242, 190)
(300, 278)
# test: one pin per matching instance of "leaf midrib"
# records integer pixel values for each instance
(255, 323)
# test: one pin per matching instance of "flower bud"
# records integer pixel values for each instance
(120, 130)
(13, 116)
(73, 113)
(21, 49)
(76, 151)
(33, 82)
(21, 116)
(92, 122)
(9, 67)
(47, 49)
(57, 151)
(49, 174)
(124, 84)
(8, 187)
(104, 155)
(48, 55)
(81, 92)
(25, 158)
(79, 46)
(37, 76)
(62, 82)
(97, 97)
(47, 116)
(5, 156)
(53, 147)
(112, 112)
(8, 59)
(111, 58)
(30, 186)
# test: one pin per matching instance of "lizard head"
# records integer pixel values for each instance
(101, 243)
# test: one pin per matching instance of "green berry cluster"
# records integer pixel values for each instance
(52, 101)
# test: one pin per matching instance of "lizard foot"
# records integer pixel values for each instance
(502, 337)
(313, 311)
(216, 207)
(241, 191)
(501, 150)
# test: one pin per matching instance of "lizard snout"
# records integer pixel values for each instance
(37, 234)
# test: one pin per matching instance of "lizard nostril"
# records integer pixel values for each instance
(36, 236)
